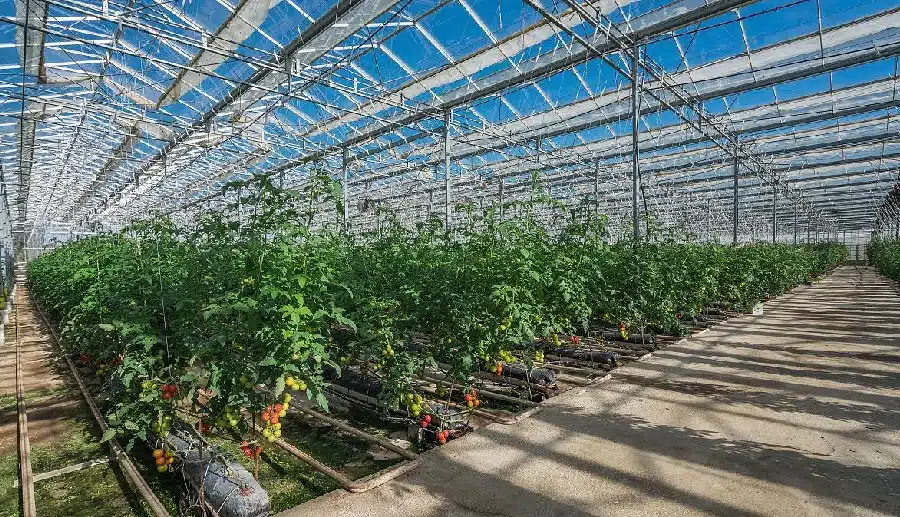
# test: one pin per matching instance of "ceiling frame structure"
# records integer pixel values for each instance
(116, 110)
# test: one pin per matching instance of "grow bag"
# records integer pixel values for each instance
(227, 485)
(645, 340)
(593, 356)
(539, 376)
(365, 384)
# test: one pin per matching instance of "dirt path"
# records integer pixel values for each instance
(793, 413)
(50, 404)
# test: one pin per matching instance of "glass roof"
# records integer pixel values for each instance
(116, 109)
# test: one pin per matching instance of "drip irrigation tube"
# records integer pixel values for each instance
(500, 419)
(482, 391)
(548, 392)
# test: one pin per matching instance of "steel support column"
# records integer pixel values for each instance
(431, 192)
(596, 187)
(734, 212)
(430, 202)
(537, 151)
(774, 214)
(346, 188)
(448, 117)
(796, 210)
(501, 198)
(635, 140)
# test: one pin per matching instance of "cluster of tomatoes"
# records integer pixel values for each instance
(272, 416)
(104, 367)
(230, 418)
(251, 451)
(168, 391)
(161, 425)
(413, 403)
(294, 384)
(440, 436)
(163, 459)
(472, 399)
(623, 330)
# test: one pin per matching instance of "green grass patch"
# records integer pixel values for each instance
(9, 495)
(91, 492)
(98, 491)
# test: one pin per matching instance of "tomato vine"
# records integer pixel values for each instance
(255, 298)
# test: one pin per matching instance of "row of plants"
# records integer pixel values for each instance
(227, 313)
(884, 254)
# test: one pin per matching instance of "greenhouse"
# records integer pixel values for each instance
(450, 257)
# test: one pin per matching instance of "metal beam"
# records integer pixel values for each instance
(448, 119)
(635, 141)
(337, 24)
(32, 15)
(848, 102)
(734, 213)
(678, 14)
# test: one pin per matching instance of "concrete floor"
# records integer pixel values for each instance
(793, 413)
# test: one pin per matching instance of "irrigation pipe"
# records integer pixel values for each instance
(346, 483)
(504, 379)
(505, 420)
(435, 377)
(356, 432)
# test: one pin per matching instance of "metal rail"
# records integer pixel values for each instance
(26, 477)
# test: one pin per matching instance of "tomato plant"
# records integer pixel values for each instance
(223, 315)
